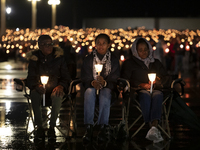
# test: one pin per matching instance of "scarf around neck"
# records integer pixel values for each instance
(106, 62)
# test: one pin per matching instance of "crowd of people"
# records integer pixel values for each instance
(170, 46)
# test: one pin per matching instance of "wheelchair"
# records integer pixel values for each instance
(137, 123)
(68, 129)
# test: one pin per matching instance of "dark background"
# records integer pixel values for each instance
(72, 12)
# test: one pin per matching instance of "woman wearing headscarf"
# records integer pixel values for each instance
(135, 70)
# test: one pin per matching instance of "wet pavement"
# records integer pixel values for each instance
(14, 115)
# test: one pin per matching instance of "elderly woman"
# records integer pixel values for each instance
(136, 69)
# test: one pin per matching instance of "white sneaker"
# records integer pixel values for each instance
(154, 135)
(159, 138)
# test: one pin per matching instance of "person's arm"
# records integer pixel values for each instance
(87, 72)
(33, 78)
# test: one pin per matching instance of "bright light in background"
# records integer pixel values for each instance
(167, 50)
(8, 10)
(54, 2)
(8, 105)
(122, 58)
(8, 67)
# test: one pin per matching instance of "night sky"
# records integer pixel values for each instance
(72, 12)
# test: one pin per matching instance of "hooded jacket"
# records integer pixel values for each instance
(52, 65)
(136, 71)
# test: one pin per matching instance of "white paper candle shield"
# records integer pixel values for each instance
(44, 80)
(98, 68)
(152, 77)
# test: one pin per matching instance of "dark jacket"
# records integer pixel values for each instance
(87, 72)
(53, 65)
(136, 72)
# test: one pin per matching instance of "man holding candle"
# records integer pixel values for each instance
(136, 70)
(47, 61)
(99, 85)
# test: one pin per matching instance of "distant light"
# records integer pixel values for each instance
(7, 51)
(17, 29)
(127, 46)
(8, 10)
(33, 0)
(24, 55)
(168, 44)
(181, 46)
(54, 2)
(122, 58)
(167, 50)
(8, 67)
(112, 49)
(113, 45)
(187, 47)
(154, 48)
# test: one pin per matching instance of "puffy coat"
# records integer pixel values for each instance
(53, 65)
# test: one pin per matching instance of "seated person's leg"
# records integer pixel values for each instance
(156, 107)
(104, 106)
(89, 107)
(145, 103)
(56, 104)
(104, 113)
(36, 105)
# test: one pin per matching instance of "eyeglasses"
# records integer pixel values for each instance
(46, 44)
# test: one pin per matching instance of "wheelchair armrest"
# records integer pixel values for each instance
(178, 81)
(72, 84)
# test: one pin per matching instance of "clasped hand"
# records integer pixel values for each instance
(146, 86)
(58, 90)
(98, 83)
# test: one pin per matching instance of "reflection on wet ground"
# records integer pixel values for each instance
(14, 115)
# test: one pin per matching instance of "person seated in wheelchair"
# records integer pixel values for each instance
(48, 61)
(99, 85)
(135, 70)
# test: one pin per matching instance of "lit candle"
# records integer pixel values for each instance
(152, 77)
(44, 80)
(98, 68)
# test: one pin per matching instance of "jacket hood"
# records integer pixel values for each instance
(31, 54)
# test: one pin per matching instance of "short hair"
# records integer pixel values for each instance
(43, 38)
(102, 35)
(141, 41)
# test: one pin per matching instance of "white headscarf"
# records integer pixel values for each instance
(147, 60)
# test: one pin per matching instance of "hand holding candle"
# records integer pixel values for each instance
(44, 80)
(152, 77)
(98, 68)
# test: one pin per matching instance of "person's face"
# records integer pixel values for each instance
(102, 45)
(143, 50)
(46, 46)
